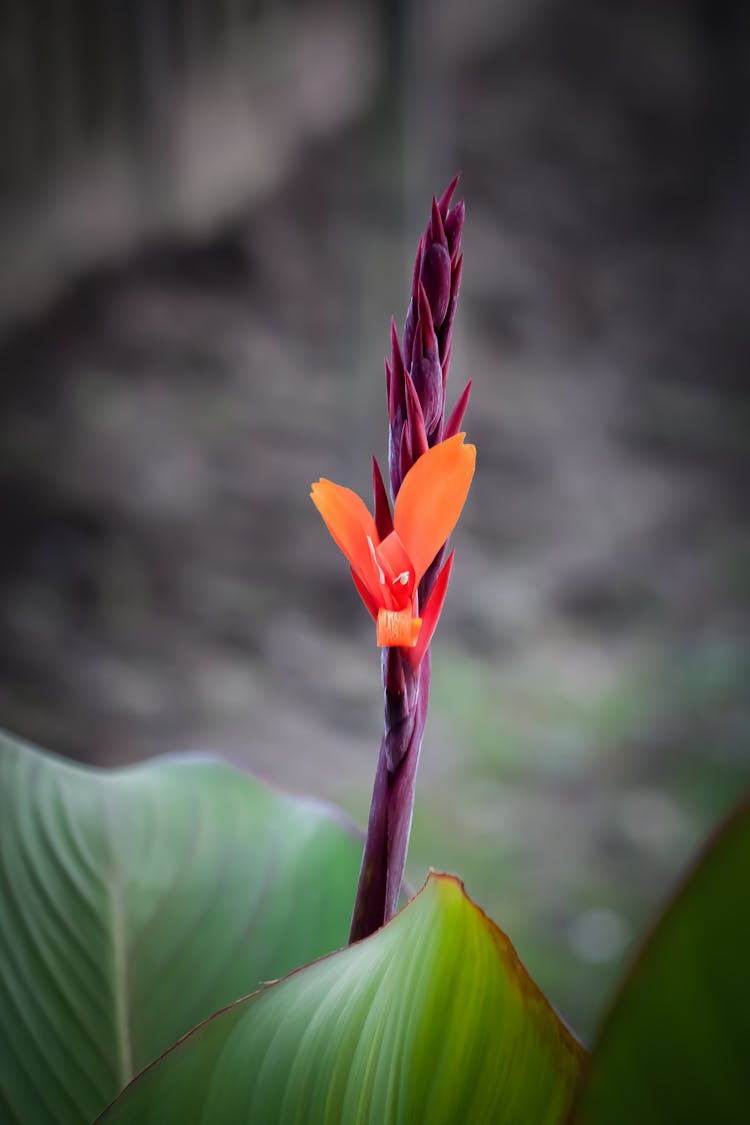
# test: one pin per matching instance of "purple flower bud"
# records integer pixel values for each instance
(412, 312)
(406, 459)
(453, 425)
(446, 329)
(445, 198)
(396, 472)
(382, 509)
(428, 329)
(446, 366)
(454, 225)
(436, 278)
(394, 373)
(415, 419)
(426, 371)
(436, 231)
(435, 273)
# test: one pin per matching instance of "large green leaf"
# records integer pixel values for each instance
(431, 1020)
(676, 1045)
(133, 903)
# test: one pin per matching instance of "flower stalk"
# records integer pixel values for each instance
(397, 558)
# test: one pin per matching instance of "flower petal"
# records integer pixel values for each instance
(430, 499)
(398, 570)
(350, 524)
(365, 595)
(431, 613)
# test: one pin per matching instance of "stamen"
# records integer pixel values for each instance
(403, 578)
(381, 573)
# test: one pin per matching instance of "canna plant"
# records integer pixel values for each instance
(397, 560)
(138, 907)
(390, 576)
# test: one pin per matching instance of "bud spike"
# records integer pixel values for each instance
(397, 360)
(417, 268)
(407, 460)
(437, 230)
(383, 517)
(425, 323)
(453, 425)
(445, 198)
(446, 366)
(415, 419)
(395, 378)
(454, 225)
(446, 329)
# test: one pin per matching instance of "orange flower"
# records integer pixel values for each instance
(387, 572)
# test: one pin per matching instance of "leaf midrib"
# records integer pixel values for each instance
(116, 917)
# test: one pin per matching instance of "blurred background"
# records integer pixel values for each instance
(208, 212)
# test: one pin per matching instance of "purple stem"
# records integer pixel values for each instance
(384, 858)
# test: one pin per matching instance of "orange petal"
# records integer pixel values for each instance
(399, 572)
(431, 497)
(365, 595)
(350, 524)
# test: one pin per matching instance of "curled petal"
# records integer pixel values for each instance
(430, 499)
(399, 572)
(397, 627)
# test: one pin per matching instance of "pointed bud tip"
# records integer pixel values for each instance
(417, 268)
(445, 198)
(437, 230)
(415, 416)
(453, 425)
(425, 322)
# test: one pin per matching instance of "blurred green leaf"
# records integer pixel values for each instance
(433, 1020)
(676, 1045)
(133, 903)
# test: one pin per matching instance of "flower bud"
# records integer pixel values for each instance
(454, 225)
(426, 372)
(435, 270)
(445, 334)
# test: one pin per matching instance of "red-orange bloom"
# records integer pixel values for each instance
(387, 572)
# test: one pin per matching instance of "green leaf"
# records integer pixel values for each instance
(676, 1044)
(133, 903)
(432, 1019)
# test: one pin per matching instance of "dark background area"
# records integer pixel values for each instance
(208, 214)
